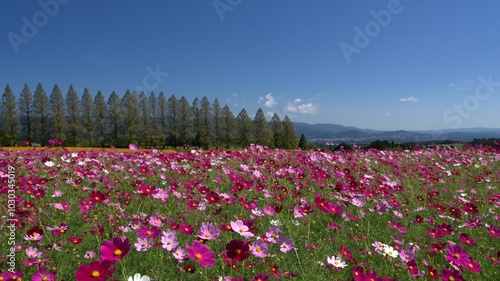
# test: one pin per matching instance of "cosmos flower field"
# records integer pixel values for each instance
(252, 214)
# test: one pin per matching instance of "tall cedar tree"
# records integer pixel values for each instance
(195, 115)
(217, 113)
(185, 128)
(303, 141)
(57, 114)
(26, 113)
(87, 118)
(155, 124)
(206, 125)
(145, 130)
(73, 116)
(245, 133)
(162, 118)
(262, 130)
(115, 116)
(10, 118)
(278, 131)
(228, 127)
(290, 136)
(41, 114)
(173, 121)
(100, 116)
(130, 117)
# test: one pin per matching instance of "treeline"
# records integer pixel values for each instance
(146, 120)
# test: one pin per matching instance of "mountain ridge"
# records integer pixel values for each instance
(329, 132)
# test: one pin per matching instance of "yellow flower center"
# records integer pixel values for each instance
(95, 274)
(117, 252)
(207, 235)
(197, 256)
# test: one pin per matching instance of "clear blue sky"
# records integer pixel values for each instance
(310, 60)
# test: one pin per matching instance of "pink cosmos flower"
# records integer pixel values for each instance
(96, 271)
(132, 146)
(286, 244)
(208, 232)
(44, 275)
(179, 254)
(142, 244)
(454, 275)
(494, 231)
(457, 255)
(115, 250)
(240, 228)
(259, 248)
(201, 254)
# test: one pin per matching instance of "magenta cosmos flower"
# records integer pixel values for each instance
(457, 255)
(44, 275)
(115, 250)
(201, 254)
(96, 271)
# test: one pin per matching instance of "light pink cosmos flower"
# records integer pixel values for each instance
(286, 244)
(142, 244)
(132, 146)
(208, 232)
(240, 228)
(179, 254)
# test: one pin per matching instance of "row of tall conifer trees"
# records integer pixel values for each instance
(146, 120)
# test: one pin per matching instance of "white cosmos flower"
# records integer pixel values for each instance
(137, 277)
(49, 164)
(389, 251)
(336, 261)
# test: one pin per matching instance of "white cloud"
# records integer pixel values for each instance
(270, 101)
(409, 99)
(298, 107)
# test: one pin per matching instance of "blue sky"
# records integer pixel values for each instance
(384, 65)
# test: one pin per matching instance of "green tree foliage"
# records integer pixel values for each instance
(11, 125)
(262, 131)
(162, 118)
(195, 115)
(290, 136)
(145, 124)
(87, 118)
(173, 117)
(115, 117)
(245, 132)
(217, 116)
(57, 114)
(303, 141)
(25, 107)
(206, 124)
(278, 131)
(228, 126)
(100, 116)
(155, 124)
(41, 115)
(130, 118)
(73, 116)
(150, 121)
(185, 125)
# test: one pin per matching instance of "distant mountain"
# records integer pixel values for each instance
(321, 133)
